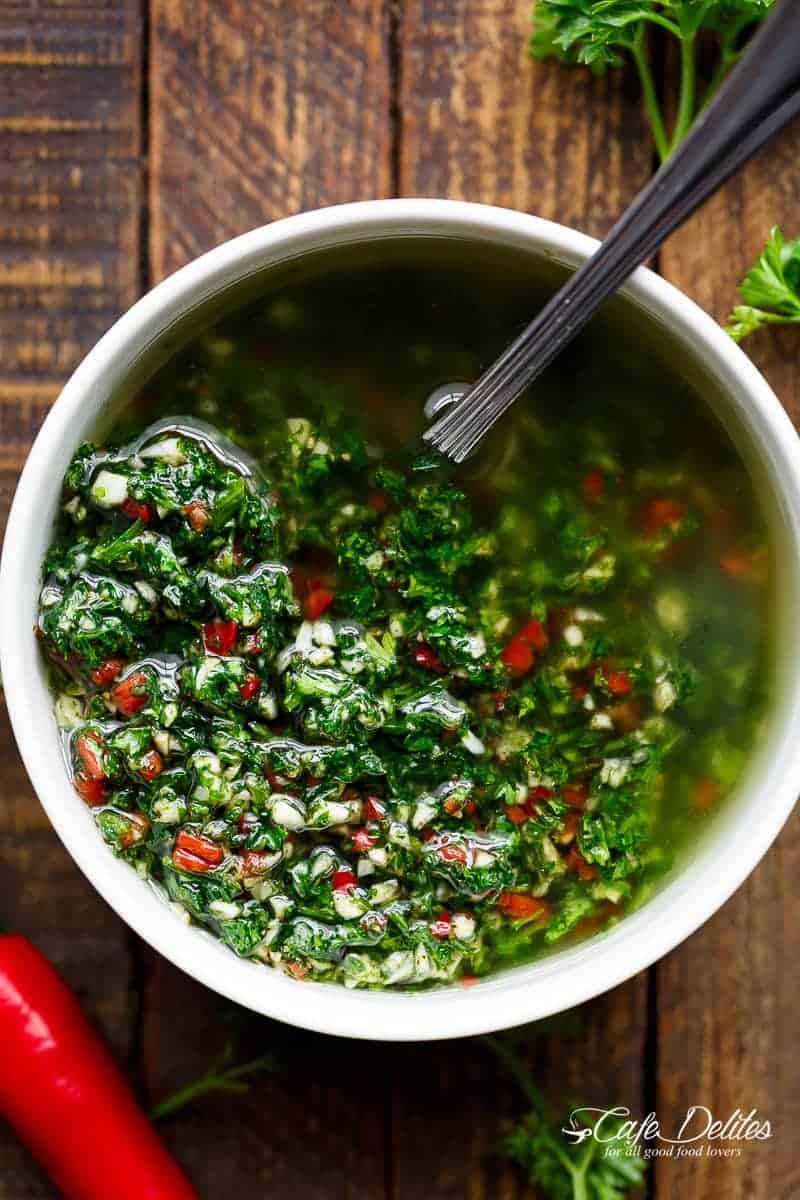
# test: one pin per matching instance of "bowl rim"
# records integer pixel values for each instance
(514, 996)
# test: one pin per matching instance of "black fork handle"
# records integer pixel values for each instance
(759, 96)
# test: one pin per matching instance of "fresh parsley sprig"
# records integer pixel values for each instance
(603, 33)
(577, 1170)
(770, 289)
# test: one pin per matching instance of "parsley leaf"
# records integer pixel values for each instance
(604, 33)
(770, 290)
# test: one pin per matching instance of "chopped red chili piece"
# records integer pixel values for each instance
(705, 793)
(662, 512)
(593, 485)
(470, 807)
(139, 823)
(297, 970)
(256, 862)
(250, 686)
(89, 748)
(440, 928)
(107, 671)
(535, 796)
(318, 598)
(579, 691)
(577, 863)
(192, 849)
(520, 905)
(197, 515)
(130, 694)
(374, 809)
(574, 794)
(363, 840)
(451, 852)
(151, 765)
(93, 791)
(379, 500)
(516, 813)
(343, 880)
(619, 683)
(519, 654)
(500, 697)
(425, 656)
(137, 510)
(219, 636)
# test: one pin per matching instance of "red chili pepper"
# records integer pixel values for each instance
(343, 880)
(106, 672)
(219, 636)
(440, 928)
(130, 694)
(363, 840)
(256, 862)
(451, 852)
(194, 852)
(500, 698)
(197, 515)
(515, 813)
(136, 510)
(705, 793)
(574, 794)
(250, 686)
(593, 485)
(318, 598)
(518, 904)
(151, 765)
(374, 809)
(59, 1086)
(89, 748)
(93, 791)
(662, 512)
(425, 656)
(519, 653)
(619, 683)
(577, 863)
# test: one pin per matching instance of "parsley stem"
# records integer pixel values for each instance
(650, 95)
(229, 1080)
(686, 98)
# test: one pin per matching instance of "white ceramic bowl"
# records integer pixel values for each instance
(734, 842)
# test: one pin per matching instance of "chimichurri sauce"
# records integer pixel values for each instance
(372, 727)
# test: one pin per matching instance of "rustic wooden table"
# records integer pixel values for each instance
(136, 135)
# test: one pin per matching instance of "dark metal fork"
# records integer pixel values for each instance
(759, 97)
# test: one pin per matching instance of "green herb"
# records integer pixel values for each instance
(578, 1169)
(223, 1076)
(602, 33)
(770, 290)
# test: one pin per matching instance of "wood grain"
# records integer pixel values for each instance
(479, 120)
(727, 1021)
(69, 216)
(259, 110)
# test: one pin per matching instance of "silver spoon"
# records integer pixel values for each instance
(759, 97)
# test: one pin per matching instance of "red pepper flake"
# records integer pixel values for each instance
(619, 683)
(593, 485)
(374, 809)
(662, 512)
(151, 765)
(250, 686)
(519, 654)
(219, 636)
(500, 697)
(535, 796)
(705, 793)
(363, 840)
(440, 928)
(425, 656)
(343, 880)
(138, 826)
(516, 813)
(130, 694)
(197, 515)
(579, 691)
(319, 597)
(93, 791)
(136, 510)
(749, 567)
(298, 971)
(193, 852)
(520, 905)
(470, 807)
(106, 672)
(89, 748)
(469, 980)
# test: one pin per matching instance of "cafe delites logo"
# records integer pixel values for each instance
(700, 1133)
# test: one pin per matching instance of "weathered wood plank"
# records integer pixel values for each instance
(258, 110)
(69, 216)
(727, 1017)
(480, 121)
